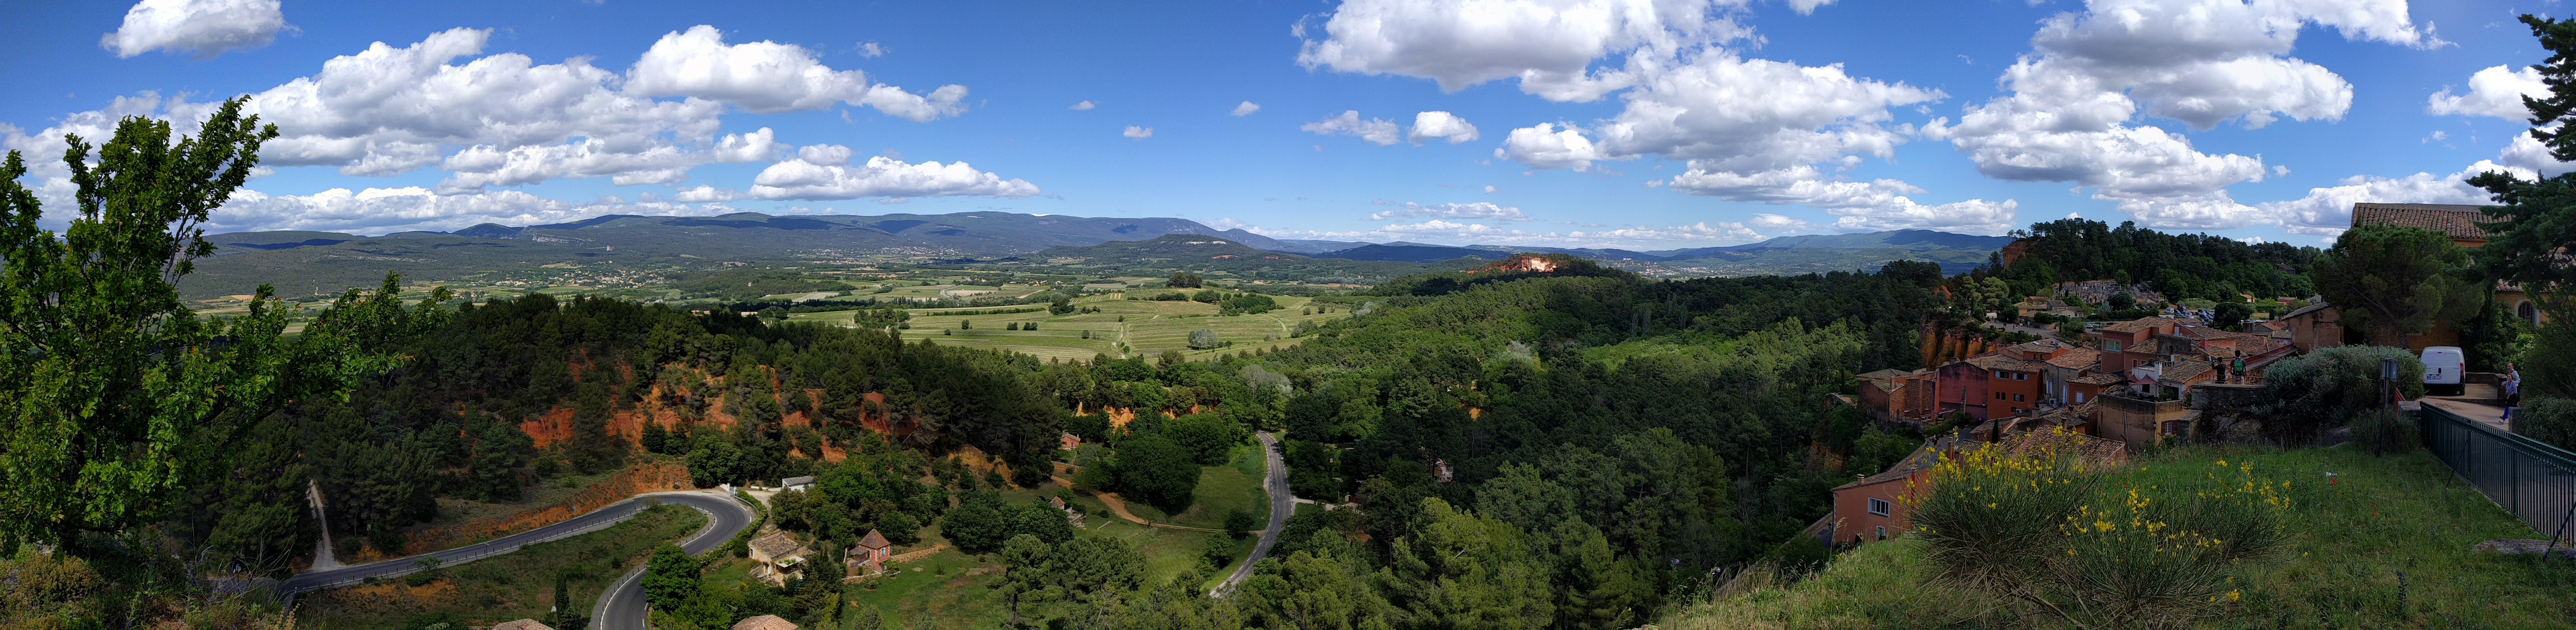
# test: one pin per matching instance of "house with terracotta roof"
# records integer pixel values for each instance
(2125, 346)
(2313, 326)
(869, 556)
(2013, 383)
(1874, 508)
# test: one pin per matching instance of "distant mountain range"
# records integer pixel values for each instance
(306, 263)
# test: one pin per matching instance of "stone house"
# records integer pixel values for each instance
(1898, 395)
(781, 558)
(870, 556)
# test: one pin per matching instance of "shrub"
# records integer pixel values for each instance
(1202, 339)
(2328, 387)
(2385, 431)
(2550, 419)
(2035, 532)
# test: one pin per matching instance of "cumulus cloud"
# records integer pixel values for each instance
(1082, 106)
(704, 194)
(1138, 133)
(2327, 210)
(1246, 108)
(768, 77)
(1549, 45)
(1477, 210)
(204, 27)
(1545, 146)
(1440, 125)
(381, 210)
(2495, 91)
(1378, 131)
(871, 50)
(823, 172)
(488, 165)
(1740, 122)
(2198, 62)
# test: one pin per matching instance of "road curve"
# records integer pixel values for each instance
(594, 521)
(1282, 505)
(622, 606)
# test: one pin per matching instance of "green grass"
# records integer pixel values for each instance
(2382, 516)
(515, 586)
(1148, 329)
(1224, 489)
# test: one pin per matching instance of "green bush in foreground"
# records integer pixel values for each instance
(2038, 532)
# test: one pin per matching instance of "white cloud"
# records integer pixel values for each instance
(871, 50)
(1489, 190)
(2198, 62)
(1549, 45)
(769, 77)
(488, 165)
(1082, 106)
(2495, 91)
(704, 194)
(1246, 108)
(1477, 210)
(204, 27)
(821, 172)
(382, 210)
(1544, 146)
(1138, 133)
(1746, 115)
(1439, 125)
(1378, 131)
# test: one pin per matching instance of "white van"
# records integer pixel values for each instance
(2443, 367)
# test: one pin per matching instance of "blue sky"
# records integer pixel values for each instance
(1635, 123)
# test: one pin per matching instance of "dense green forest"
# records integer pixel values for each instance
(2180, 266)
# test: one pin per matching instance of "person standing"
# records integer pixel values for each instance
(2512, 389)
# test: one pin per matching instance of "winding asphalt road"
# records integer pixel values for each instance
(725, 517)
(1282, 505)
(622, 607)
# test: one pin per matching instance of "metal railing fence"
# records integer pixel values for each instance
(2531, 479)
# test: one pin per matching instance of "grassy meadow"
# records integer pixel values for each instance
(2351, 540)
(1122, 327)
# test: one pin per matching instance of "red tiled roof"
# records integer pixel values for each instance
(2455, 220)
(2005, 363)
(2098, 379)
(2185, 370)
(874, 540)
(2142, 323)
(2077, 359)
(1923, 458)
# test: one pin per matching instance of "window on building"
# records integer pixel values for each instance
(2110, 345)
(1878, 506)
(2002, 375)
(1999, 395)
(2018, 398)
(2079, 398)
(2527, 312)
(1882, 532)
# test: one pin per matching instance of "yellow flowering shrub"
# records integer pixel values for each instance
(2038, 530)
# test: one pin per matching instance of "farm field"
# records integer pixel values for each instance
(1121, 328)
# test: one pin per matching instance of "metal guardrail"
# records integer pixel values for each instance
(2531, 479)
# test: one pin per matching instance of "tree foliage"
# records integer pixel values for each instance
(122, 402)
(2392, 280)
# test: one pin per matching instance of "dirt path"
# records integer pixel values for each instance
(1119, 507)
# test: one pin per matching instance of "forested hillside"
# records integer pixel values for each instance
(2180, 266)
(596, 378)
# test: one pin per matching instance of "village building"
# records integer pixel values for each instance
(2460, 223)
(799, 484)
(1068, 441)
(2013, 383)
(869, 557)
(1899, 396)
(1874, 508)
(781, 558)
